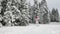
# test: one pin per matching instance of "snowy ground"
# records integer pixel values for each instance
(32, 29)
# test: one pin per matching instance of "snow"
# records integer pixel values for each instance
(31, 29)
(55, 23)
(32, 1)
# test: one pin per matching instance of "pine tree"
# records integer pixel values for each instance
(19, 12)
(44, 12)
(52, 14)
(3, 3)
(45, 17)
(30, 12)
(35, 10)
(55, 15)
(24, 12)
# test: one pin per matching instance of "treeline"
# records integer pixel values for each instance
(54, 15)
(21, 13)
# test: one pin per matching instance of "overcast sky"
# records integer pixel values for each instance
(54, 4)
(51, 4)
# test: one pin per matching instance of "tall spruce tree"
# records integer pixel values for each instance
(35, 10)
(24, 12)
(3, 3)
(55, 15)
(19, 11)
(44, 11)
(22, 8)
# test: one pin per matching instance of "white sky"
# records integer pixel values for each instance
(51, 4)
(54, 4)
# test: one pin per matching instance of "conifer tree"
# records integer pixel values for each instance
(24, 11)
(3, 3)
(55, 15)
(44, 12)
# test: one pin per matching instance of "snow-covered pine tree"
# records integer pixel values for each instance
(3, 4)
(30, 12)
(44, 11)
(19, 12)
(12, 13)
(24, 11)
(52, 15)
(55, 15)
(36, 10)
